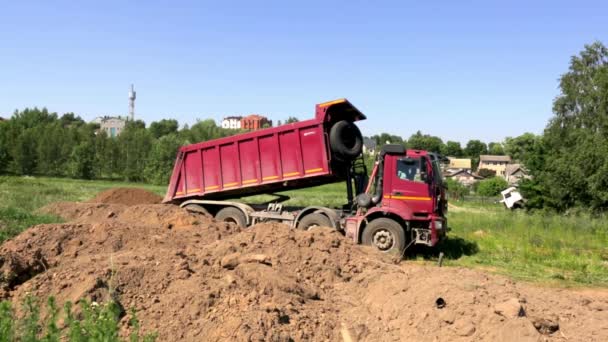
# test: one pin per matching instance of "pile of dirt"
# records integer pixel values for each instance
(191, 278)
(126, 196)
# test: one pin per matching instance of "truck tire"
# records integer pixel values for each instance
(197, 208)
(345, 140)
(314, 220)
(384, 234)
(232, 214)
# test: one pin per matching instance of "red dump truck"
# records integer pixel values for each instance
(401, 203)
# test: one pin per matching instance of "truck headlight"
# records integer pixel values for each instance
(439, 225)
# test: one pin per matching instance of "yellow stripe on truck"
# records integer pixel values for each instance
(291, 174)
(410, 198)
(325, 104)
(314, 170)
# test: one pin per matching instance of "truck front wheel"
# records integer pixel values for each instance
(232, 214)
(385, 235)
(314, 220)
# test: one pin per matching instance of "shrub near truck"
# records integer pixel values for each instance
(403, 201)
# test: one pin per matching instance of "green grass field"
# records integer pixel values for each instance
(21, 196)
(543, 247)
(547, 248)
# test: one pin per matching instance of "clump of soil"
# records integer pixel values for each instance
(192, 278)
(126, 196)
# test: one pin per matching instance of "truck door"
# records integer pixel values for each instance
(407, 187)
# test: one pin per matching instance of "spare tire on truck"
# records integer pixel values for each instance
(345, 140)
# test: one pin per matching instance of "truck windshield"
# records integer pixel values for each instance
(411, 169)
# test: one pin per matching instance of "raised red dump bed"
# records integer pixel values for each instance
(291, 156)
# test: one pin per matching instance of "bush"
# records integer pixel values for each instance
(491, 186)
(456, 190)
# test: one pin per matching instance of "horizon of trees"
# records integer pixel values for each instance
(38, 142)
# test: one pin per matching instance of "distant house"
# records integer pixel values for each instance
(112, 125)
(496, 163)
(369, 146)
(232, 122)
(514, 173)
(464, 177)
(457, 164)
(254, 122)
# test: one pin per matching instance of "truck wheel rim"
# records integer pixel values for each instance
(312, 227)
(383, 240)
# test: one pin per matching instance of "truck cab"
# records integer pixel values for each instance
(404, 202)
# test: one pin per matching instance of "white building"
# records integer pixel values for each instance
(112, 125)
(232, 122)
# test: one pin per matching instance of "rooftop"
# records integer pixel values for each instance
(460, 163)
(512, 168)
(462, 171)
(487, 157)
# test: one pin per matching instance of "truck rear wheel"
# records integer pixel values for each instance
(345, 140)
(314, 220)
(232, 214)
(197, 208)
(385, 235)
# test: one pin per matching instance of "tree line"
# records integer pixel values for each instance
(515, 147)
(38, 142)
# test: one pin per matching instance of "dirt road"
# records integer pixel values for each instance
(191, 278)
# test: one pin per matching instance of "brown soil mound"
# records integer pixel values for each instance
(126, 196)
(191, 278)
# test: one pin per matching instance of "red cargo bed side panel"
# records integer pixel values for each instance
(313, 150)
(193, 169)
(291, 154)
(250, 162)
(180, 191)
(270, 158)
(229, 158)
(211, 168)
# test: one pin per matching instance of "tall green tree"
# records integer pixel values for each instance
(24, 152)
(495, 148)
(51, 153)
(82, 161)
(427, 142)
(474, 148)
(386, 138)
(135, 143)
(453, 149)
(162, 157)
(5, 156)
(291, 119)
(163, 127)
(520, 147)
(205, 130)
(573, 170)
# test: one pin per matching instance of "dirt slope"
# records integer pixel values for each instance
(193, 279)
(126, 196)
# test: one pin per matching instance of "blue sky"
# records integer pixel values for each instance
(457, 69)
